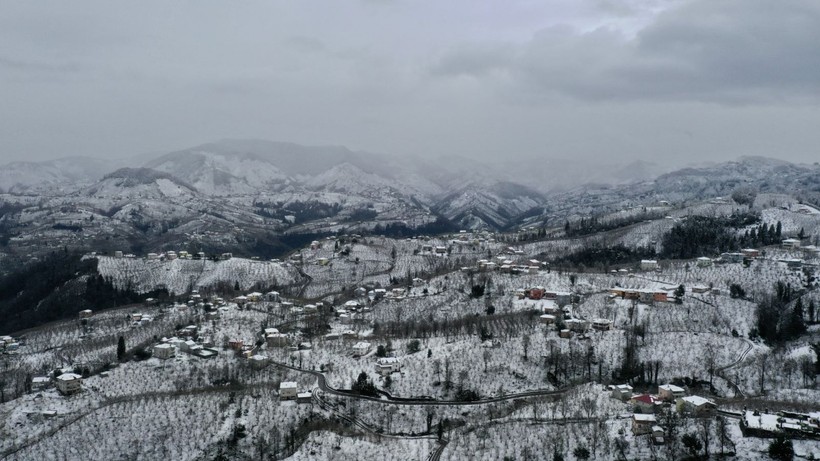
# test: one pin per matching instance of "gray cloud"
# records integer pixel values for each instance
(580, 79)
(732, 51)
(24, 65)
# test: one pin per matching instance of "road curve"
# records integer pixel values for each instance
(405, 401)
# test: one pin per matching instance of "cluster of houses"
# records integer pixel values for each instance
(170, 255)
(168, 347)
(746, 255)
(438, 250)
(645, 296)
(505, 265)
(646, 406)
(562, 298)
(8, 345)
(136, 319)
(65, 381)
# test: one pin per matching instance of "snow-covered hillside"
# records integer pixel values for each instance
(183, 275)
(220, 173)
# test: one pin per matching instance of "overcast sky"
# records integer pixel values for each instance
(664, 80)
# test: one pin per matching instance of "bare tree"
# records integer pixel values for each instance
(525, 342)
(706, 433)
(590, 405)
(709, 359)
(723, 435)
(762, 364)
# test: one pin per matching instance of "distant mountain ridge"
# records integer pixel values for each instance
(471, 194)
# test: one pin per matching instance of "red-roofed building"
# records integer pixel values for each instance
(644, 403)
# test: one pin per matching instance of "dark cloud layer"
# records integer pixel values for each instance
(666, 80)
(733, 51)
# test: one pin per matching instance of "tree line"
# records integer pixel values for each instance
(702, 235)
(58, 287)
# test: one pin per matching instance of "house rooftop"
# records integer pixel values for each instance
(287, 385)
(644, 417)
(69, 377)
(645, 398)
(697, 400)
(671, 388)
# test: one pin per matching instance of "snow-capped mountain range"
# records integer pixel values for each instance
(254, 187)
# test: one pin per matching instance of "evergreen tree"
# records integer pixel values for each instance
(692, 443)
(121, 348)
(680, 291)
(781, 449)
(796, 325)
(581, 452)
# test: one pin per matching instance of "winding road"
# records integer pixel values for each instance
(410, 401)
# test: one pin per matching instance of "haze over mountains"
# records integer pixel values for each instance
(254, 177)
(236, 166)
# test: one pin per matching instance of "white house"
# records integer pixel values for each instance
(649, 264)
(791, 243)
(695, 405)
(642, 423)
(258, 361)
(387, 365)
(287, 390)
(69, 383)
(602, 324)
(704, 261)
(547, 319)
(40, 382)
(361, 348)
(188, 345)
(164, 351)
(622, 392)
(670, 392)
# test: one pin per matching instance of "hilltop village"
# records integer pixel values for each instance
(361, 345)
